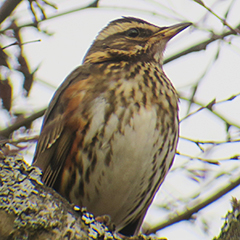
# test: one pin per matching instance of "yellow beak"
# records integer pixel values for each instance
(169, 32)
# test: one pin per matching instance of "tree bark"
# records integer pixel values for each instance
(30, 210)
(231, 227)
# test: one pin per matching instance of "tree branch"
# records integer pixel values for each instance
(201, 46)
(231, 227)
(94, 4)
(30, 210)
(186, 215)
(5, 133)
(209, 107)
(7, 8)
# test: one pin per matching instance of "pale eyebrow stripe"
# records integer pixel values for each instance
(122, 27)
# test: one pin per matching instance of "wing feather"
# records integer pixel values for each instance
(55, 140)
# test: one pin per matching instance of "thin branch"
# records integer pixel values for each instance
(21, 44)
(186, 215)
(20, 140)
(224, 22)
(201, 46)
(26, 121)
(38, 7)
(94, 4)
(196, 85)
(209, 107)
(209, 142)
(207, 160)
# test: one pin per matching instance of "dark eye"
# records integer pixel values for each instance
(133, 32)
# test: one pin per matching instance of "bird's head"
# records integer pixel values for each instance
(131, 38)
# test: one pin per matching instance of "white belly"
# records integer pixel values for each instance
(128, 153)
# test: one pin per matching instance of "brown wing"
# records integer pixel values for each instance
(56, 139)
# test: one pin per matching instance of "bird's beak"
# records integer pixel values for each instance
(169, 32)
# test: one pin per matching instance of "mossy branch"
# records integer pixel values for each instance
(30, 210)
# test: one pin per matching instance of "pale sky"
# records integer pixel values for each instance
(73, 34)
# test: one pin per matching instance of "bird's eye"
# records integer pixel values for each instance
(133, 32)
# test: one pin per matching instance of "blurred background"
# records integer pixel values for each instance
(41, 42)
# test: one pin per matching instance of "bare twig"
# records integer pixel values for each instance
(211, 161)
(21, 44)
(201, 46)
(209, 107)
(196, 85)
(20, 140)
(94, 4)
(224, 22)
(197, 205)
(8, 131)
(209, 142)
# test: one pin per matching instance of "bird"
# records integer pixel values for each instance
(110, 132)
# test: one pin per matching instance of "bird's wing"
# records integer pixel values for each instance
(55, 140)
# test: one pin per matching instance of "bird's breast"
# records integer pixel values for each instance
(124, 152)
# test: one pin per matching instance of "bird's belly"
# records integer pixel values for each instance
(129, 164)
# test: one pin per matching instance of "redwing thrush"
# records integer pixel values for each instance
(110, 132)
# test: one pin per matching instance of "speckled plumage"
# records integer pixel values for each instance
(110, 133)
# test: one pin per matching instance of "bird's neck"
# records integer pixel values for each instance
(147, 76)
